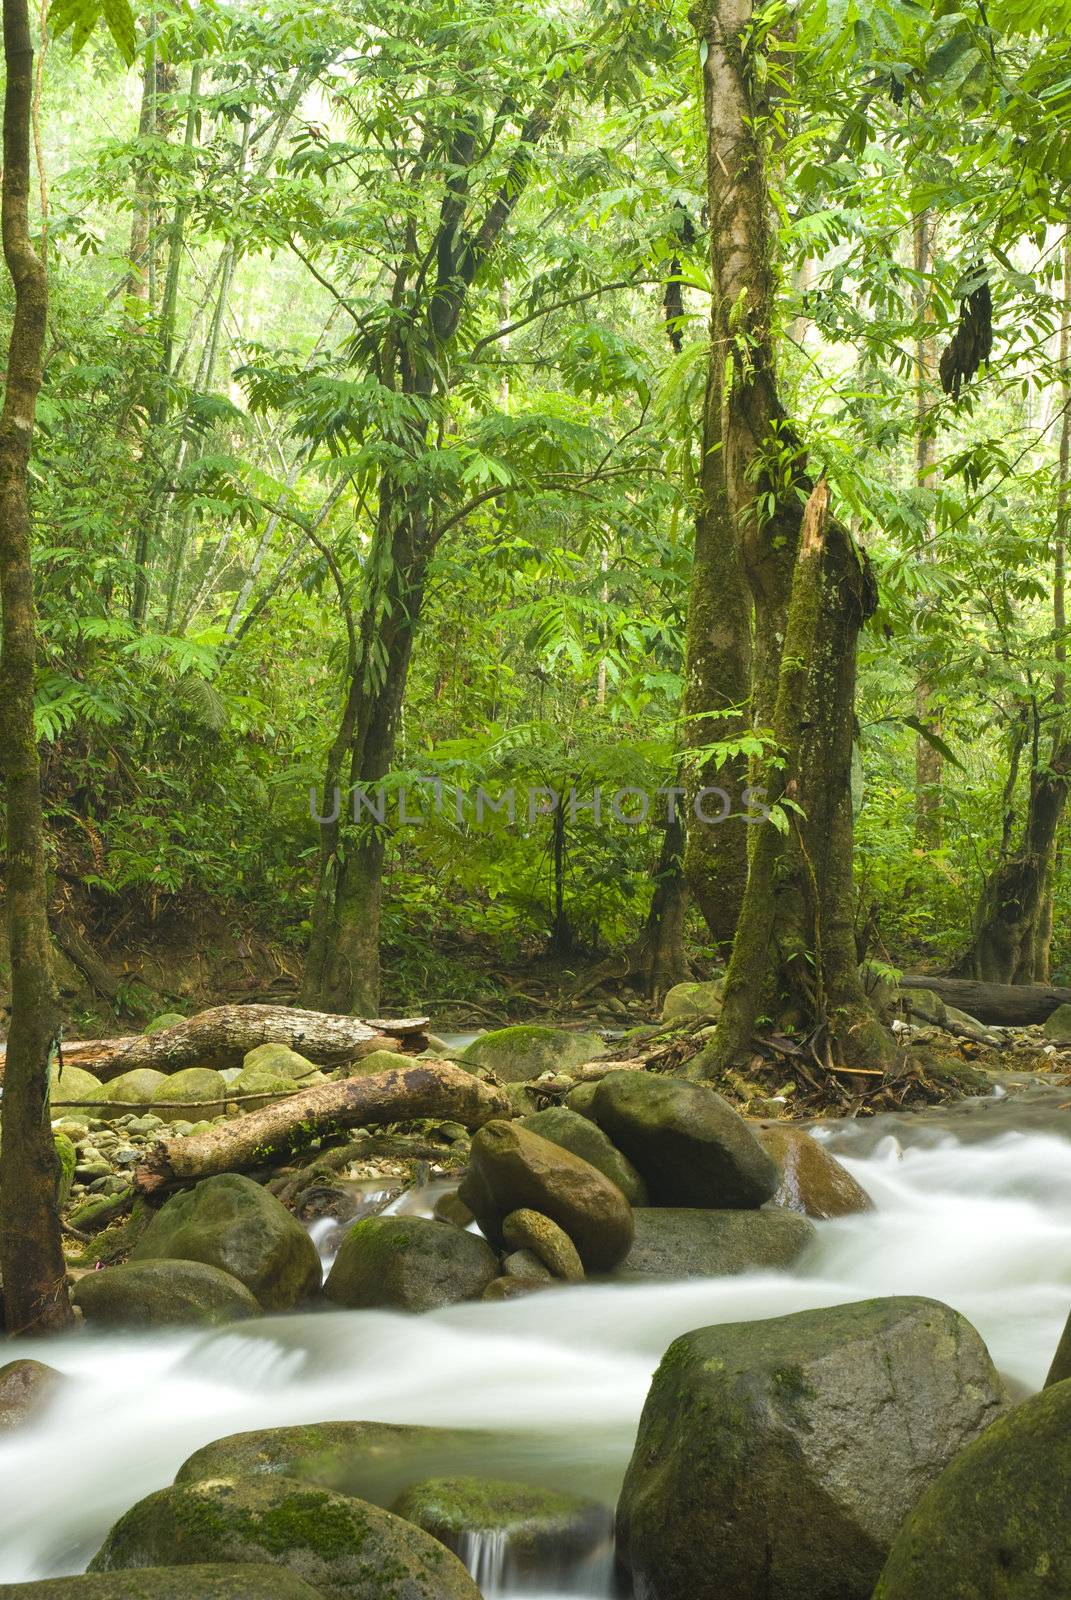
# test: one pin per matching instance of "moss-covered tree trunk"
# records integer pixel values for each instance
(1013, 925)
(31, 1256)
(793, 958)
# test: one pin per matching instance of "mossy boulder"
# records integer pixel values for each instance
(166, 1019)
(160, 1294)
(130, 1088)
(531, 1232)
(67, 1157)
(206, 1581)
(373, 1460)
(280, 1061)
(70, 1086)
(673, 1243)
(512, 1169)
(516, 1055)
(1057, 1026)
(582, 1100)
(200, 1087)
(409, 1264)
(923, 1005)
(578, 1133)
(374, 1062)
(341, 1546)
(263, 1081)
(686, 1000)
(544, 1532)
(25, 1387)
(690, 1146)
(232, 1223)
(812, 1181)
(994, 1526)
(784, 1455)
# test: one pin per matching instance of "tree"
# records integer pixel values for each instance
(811, 590)
(31, 1254)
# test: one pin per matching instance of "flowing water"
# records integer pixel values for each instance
(973, 1207)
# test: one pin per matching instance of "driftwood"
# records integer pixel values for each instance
(222, 1037)
(425, 1089)
(1009, 1005)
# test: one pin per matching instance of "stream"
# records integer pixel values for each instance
(973, 1208)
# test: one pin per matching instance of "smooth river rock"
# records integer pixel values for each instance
(518, 1054)
(812, 1181)
(341, 1546)
(513, 1169)
(232, 1223)
(160, 1294)
(678, 1242)
(585, 1139)
(690, 1146)
(409, 1264)
(783, 1455)
(205, 1581)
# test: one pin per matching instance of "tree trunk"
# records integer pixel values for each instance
(794, 955)
(1013, 924)
(1008, 1005)
(223, 1036)
(927, 757)
(660, 957)
(422, 1089)
(31, 1254)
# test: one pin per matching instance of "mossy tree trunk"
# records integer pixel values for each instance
(1013, 926)
(793, 957)
(31, 1255)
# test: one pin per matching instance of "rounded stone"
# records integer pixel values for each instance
(543, 1531)
(341, 1546)
(157, 1294)
(71, 1085)
(231, 1580)
(518, 1054)
(166, 1019)
(677, 1242)
(279, 1060)
(527, 1230)
(409, 1264)
(693, 1000)
(812, 1181)
(134, 1088)
(580, 1134)
(199, 1086)
(25, 1387)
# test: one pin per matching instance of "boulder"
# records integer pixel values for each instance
(676, 1242)
(409, 1264)
(262, 1080)
(544, 1532)
(232, 1223)
(513, 1169)
(280, 1060)
(693, 1000)
(1057, 1025)
(1061, 1361)
(25, 1387)
(199, 1086)
(160, 1294)
(166, 1019)
(812, 1181)
(341, 1546)
(374, 1460)
(578, 1133)
(530, 1231)
(510, 1288)
(923, 1005)
(376, 1061)
(130, 1089)
(994, 1526)
(582, 1100)
(526, 1265)
(783, 1455)
(208, 1581)
(690, 1146)
(516, 1055)
(70, 1086)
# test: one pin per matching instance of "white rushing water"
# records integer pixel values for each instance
(983, 1223)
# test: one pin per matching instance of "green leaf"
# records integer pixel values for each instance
(935, 739)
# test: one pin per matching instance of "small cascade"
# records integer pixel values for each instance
(486, 1552)
(491, 1557)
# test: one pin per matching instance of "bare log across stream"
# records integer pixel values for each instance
(425, 1089)
(1009, 1005)
(223, 1036)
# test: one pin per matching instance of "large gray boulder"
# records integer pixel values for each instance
(409, 1264)
(373, 1460)
(812, 1181)
(995, 1525)
(232, 1223)
(159, 1294)
(585, 1139)
(223, 1581)
(25, 1389)
(782, 1456)
(690, 1146)
(513, 1169)
(341, 1546)
(674, 1242)
(517, 1054)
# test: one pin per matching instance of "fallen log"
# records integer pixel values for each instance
(401, 1094)
(1008, 1005)
(223, 1036)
